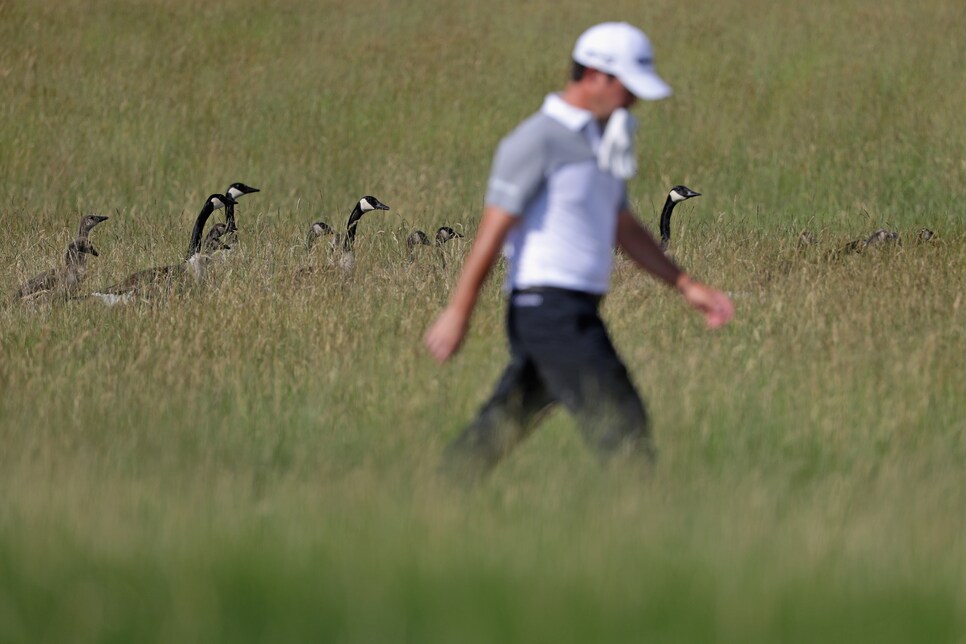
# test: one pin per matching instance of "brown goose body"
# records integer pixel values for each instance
(217, 239)
(67, 278)
(879, 237)
(156, 277)
(63, 280)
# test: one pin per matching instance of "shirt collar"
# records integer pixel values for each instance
(573, 118)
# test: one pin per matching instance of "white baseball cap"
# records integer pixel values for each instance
(622, 50)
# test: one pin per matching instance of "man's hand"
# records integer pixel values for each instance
(713, 304)
(446, 334)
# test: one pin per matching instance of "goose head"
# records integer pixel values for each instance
(677, 194)
(320, 229)
(924, 235)
(369, 203)
(88, 222)
(364, 205)
(444, 234)
(237, 190)
(417, 238)
(217, 201)
(316, 231)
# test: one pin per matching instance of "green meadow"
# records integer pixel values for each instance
(254, 458)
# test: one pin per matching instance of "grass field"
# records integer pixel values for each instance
(254, 460)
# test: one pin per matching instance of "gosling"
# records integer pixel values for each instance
(65, 280)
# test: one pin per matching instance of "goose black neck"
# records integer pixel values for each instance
(666, 220)
(230, 218)
(350, 227)
(194, 245)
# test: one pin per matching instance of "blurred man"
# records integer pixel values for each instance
(557, 199)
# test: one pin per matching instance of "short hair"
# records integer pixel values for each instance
(577, 71)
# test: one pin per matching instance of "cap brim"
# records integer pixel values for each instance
(646, 84)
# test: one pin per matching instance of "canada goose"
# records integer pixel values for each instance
(925, 235)
(68, 276)
(344, 257)
(163, 277)
(807, 238)
(317, 230)
(676, 195)
(63, 280)
(346, 261)
(419, 238)
(445, 233)
(881, 237)
(222, 235)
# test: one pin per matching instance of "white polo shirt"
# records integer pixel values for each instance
(546, 172)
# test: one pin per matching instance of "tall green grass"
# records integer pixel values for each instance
(255, 459)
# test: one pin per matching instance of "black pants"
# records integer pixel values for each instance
(560, 352)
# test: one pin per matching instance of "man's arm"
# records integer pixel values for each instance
(640, 246)
(446, 334)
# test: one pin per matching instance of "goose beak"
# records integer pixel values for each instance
(382, 206)
(249, 190)
(694, 194)
(100, 218)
